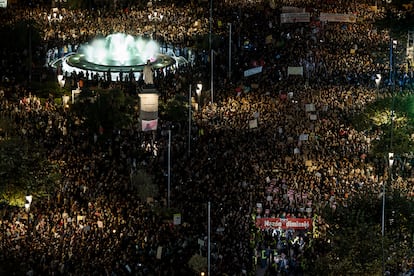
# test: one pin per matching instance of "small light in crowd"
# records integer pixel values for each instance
(114, 231)
(203, 273)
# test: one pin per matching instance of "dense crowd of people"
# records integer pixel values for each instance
(281, 140)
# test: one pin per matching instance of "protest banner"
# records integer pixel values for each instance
(285, 223)
(337, 17)
(149, 125)
(295, 70)
(253, 71)
(302, 17)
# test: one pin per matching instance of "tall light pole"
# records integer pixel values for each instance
(377, 83)
(189, 121)
(198, 92)
(169, 169)
(29, 199)
(229, 50)
(212, 75)
(199, 86)
(30, 48)
(208, 238)
(393, 43)
(390, 163)
(211, 53)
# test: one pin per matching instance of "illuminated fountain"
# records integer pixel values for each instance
(116, 53)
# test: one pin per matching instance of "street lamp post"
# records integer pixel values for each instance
(29, 199)
(189, 121)
(55, 16)
(393, 44)
(377, 82)
(199, 86)
(229, 50)
(169, 169)
(155, 18)
(390, 163)
(212, 75)
(208, 238)
(198, 92)
(211, 53)
(60, 2)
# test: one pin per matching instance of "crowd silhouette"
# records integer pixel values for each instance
(282, 140)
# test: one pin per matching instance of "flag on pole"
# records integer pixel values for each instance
(149, 125)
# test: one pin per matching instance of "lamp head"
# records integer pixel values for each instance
(377, 79)
(199, 88)
(29, 199)
(391, 158)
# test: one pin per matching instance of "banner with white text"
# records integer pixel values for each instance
(285, 224)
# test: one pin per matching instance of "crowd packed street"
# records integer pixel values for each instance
(276, 144)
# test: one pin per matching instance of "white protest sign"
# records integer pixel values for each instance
(295, 70)
(159, 252)
(309, 107)
(177, 219)
(253, 123)
(253, 71)
(100, 224)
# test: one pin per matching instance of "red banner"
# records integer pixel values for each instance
(287, 223)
